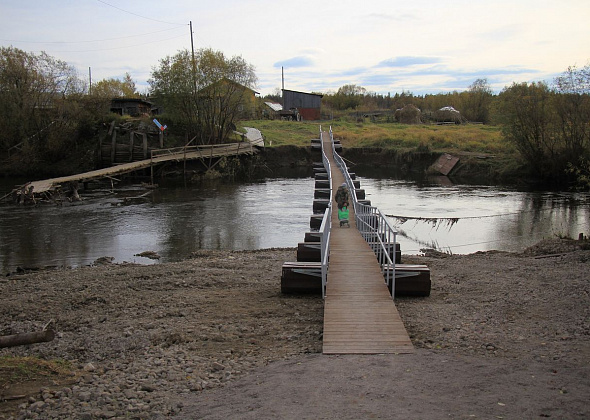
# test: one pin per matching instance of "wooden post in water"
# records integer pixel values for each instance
(113, 146)
(152, 166)
(145, 146)
(131, 136)
(184, 166)
(186, 143)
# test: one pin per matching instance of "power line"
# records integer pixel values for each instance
(135, 14)
(117, 48)
(436, 247)
(89, 41)
(453, 220)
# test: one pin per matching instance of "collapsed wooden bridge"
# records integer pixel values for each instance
(208, 154)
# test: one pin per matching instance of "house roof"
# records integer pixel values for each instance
(304, 93)
(138, 100)
(274, 106)
(448, 108)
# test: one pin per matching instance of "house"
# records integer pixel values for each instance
(306, 106)
(233, 96)
(131, 106)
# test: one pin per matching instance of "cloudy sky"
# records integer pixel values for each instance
(420, 46)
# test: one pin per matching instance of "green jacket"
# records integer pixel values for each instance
(343, 213)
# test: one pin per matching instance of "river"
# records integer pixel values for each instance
(173, 220)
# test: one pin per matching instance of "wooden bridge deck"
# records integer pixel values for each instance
(359, 314)
(164, 155)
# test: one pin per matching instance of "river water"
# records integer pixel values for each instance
(175, 220)
(463, 219)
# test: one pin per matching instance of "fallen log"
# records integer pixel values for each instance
(12, 397)
(47, 334)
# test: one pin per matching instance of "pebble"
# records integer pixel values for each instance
(132, 389)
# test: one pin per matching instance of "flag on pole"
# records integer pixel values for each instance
(160, 126)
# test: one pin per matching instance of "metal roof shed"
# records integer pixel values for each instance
(308, 104)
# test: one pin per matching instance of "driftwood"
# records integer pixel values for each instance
(43, 336)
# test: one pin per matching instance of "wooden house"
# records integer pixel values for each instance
(131, 106)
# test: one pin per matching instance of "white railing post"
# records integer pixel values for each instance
(326, 226)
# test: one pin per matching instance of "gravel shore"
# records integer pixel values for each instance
(213, 337)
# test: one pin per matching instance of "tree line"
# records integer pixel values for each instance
(48, 111)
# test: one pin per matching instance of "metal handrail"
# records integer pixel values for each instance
(372, 225)
(326, 226)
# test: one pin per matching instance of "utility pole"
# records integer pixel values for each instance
(90, 79)
(194, 67)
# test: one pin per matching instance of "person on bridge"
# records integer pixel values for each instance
(343, 215)
(341, 195)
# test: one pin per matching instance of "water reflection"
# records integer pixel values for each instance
(172, 221)
(488, 217)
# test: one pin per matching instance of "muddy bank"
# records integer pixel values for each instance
(288, 161)
(502, 335)
(377, 162)
(472, 168)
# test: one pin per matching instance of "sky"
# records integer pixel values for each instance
(385, 46)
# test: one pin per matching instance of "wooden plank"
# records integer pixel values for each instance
(445, 163)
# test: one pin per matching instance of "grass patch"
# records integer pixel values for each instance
(15, 370)
(281, 133)
(443, 138)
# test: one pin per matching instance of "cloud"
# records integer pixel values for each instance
(504, 71)
(356, 71)
(380, 16)
(358, 46)
(407, 61)
(378, 80)
(444, 70)
(387, 17)
(300, 61)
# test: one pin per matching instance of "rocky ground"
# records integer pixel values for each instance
(503, 335)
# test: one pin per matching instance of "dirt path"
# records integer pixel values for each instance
(425, 385)
(502, 336)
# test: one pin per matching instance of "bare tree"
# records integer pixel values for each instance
(477, 102)
(528, 123)
(573, 108)
(32, 91)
